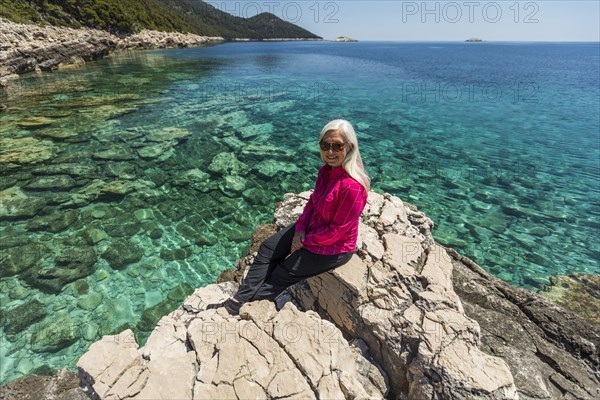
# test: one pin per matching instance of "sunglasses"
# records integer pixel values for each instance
(336, 147)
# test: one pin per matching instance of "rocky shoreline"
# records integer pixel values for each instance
(31, 48)
(406, 318)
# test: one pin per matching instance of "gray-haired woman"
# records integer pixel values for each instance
(324, 236)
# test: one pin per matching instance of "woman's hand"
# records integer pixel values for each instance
(297, 241)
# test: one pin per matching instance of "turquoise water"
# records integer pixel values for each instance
(143, 175)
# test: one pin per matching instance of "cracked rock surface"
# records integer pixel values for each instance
(195, 353)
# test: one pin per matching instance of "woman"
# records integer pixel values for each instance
(324, 236)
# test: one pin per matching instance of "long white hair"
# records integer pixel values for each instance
(353, 162)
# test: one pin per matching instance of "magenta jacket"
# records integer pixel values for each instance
(330, 218)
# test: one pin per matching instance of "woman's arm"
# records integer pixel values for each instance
(304, 218)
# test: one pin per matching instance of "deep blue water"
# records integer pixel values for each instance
(499, 143)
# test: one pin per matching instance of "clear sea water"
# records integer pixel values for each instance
(499, 143)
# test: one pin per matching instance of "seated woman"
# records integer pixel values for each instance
(324, 236)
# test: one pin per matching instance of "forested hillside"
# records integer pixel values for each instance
(130, 16)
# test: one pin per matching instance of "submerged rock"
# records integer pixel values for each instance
(17, 260)
(54, 334)
(114, 154)
(64, 386)
(168, 134)
(55, 222)
(262, 130)
(18, 319)
(579, 293)
(52, 182)
(35, 122)
(14, 204)
(121, 253)
(227, 164)
(26, 150)
(70, 265)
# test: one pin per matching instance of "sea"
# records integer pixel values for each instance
(134, 179)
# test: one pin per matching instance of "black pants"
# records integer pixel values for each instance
(271, 272)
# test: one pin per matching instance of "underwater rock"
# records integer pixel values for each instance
(90, 302)
(55, 222)
(109, 191)
(175, 254)
(54, 334)
(121, 170)
(35, 122)
(52, 182)
(168, 134)
(579, 293)
(70, 265)
(152, 315)
(256, 196)
(157, 176)
(236, 119)
(180, 292)
(19, 293)
(271, 168)
(206, 239)
(195, 179)
(72, 169)
(266, 151)
(144, 214)
(63, 386)
(154, 151)
(227, 164)
(123, 229)
(120, 253)
(61, 134)
(116, 188)
(233, 185)
(114, 154)
(155, 233)
(16, 260)
(14, 204)
(262, 130)
(94, 236)
(16, 320)
(27, 150)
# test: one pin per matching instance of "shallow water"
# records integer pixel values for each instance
(148, 171)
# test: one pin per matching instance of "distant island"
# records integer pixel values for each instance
(473, 40)
(344, 39)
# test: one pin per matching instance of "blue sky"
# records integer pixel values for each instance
(546, 20)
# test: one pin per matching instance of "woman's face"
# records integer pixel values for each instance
(332, 140)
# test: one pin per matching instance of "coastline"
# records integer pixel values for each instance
(32, 48)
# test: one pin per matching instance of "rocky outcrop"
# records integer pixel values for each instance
(196, 353)
(423, 322)
(28, 48)
(552, 352)
(396, 294)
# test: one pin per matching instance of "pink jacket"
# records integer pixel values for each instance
(330, 218)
